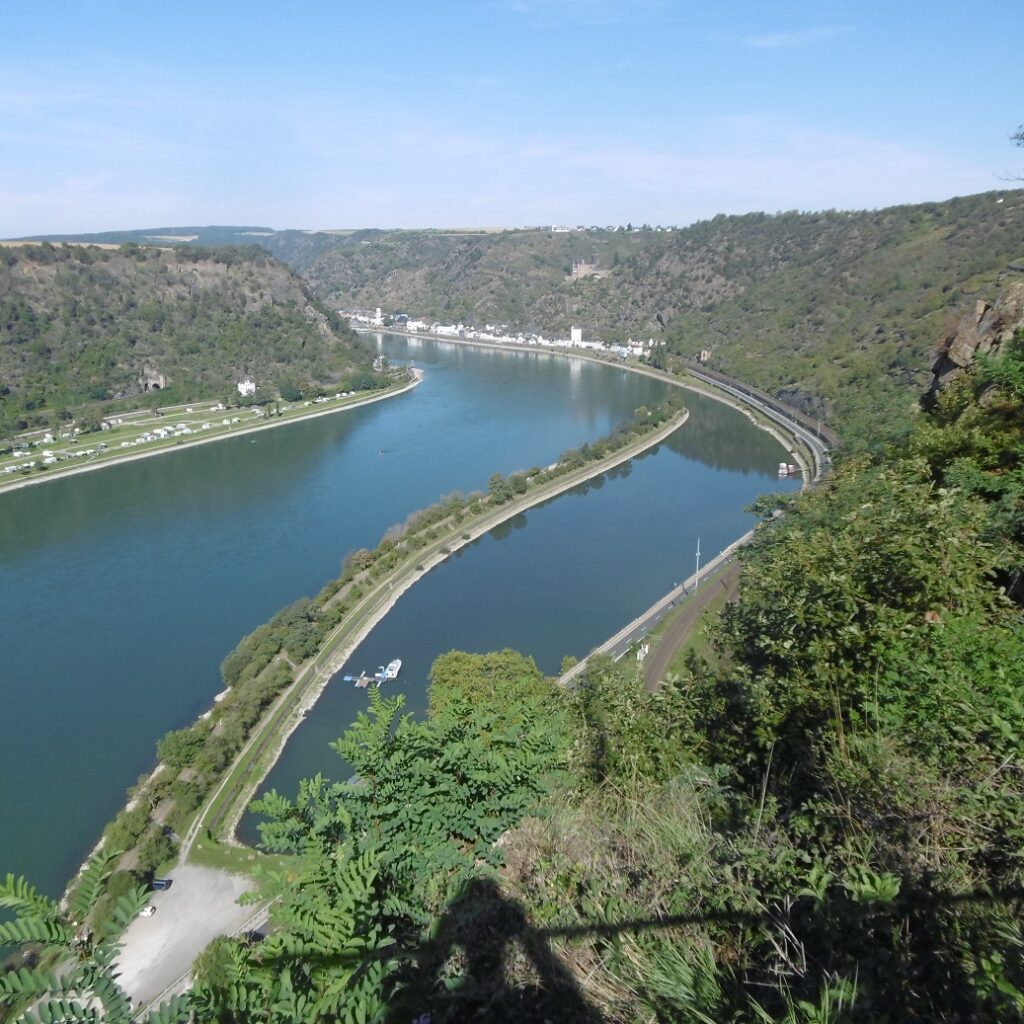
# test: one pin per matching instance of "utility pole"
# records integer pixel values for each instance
(696, 580)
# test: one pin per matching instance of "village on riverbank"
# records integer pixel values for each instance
(496, 334)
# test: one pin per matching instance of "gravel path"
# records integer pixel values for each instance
(657, 662)
(200, 905)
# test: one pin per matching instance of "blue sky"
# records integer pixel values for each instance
(461, 113)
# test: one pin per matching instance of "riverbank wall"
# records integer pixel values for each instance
(386, 595)
(809, 447)
(194, 442)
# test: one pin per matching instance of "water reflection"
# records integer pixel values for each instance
(720, 436)
(217, 478)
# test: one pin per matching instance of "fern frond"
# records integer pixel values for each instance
(89, 887)
(22, 898)
(125, 910)
(26, 982)
(61, 1011)
(174, 1011)
(32, 929)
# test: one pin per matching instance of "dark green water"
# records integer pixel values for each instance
(122, 590)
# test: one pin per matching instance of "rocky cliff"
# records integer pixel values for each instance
(983, 331)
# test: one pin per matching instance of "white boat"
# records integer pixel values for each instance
(394, 667)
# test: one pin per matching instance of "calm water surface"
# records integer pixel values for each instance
(560, 578)
(121, 591)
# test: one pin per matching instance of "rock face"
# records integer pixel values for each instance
(981, 332)
(152, 380)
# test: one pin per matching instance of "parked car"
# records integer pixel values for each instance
(161, 883)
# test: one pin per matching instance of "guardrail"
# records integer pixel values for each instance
(653, 614)
(184, 981)
(817, 426)
(787, 418)
(778, 413)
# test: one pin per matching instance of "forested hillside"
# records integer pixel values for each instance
(516, 277)
(80, 324)
(835, 311)
(822, 823)
(296, 248)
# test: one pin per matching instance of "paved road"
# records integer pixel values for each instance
(640, 627)
(819, 449)
(199, 906)
(657, 662)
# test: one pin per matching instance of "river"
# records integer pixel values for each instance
(122, 590)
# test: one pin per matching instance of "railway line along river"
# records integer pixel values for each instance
(121, 591)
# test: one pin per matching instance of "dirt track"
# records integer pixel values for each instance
(676, 634)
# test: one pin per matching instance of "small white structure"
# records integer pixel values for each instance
(575, 335)
(247, 387)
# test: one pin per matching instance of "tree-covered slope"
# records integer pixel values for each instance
(824, 824)
(516, 277)
(837, 311)
(842, 312)
(83, 324)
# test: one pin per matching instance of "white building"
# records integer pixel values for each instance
(575, 335)
(247, 387)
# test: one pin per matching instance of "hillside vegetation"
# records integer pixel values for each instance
(296, 248)
(826, 826)
(85, 325)
(835, 311)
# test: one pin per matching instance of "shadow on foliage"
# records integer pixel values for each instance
(468, 972)
(484, 948)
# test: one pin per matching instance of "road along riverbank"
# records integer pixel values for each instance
(222, 811)
(810, 448)
(177, 444)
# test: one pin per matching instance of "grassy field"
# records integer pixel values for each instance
(135, 436)
(237, 859)
(697, 641)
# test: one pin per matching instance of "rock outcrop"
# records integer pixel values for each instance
(981, 332)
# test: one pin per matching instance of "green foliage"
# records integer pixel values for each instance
(870, 583)
(837, 311)
(622, 731)
(79, 329)
(495, 681)
(326, 959)
(430, 799)
(177, 749)
(828, 824)
(80, 981)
